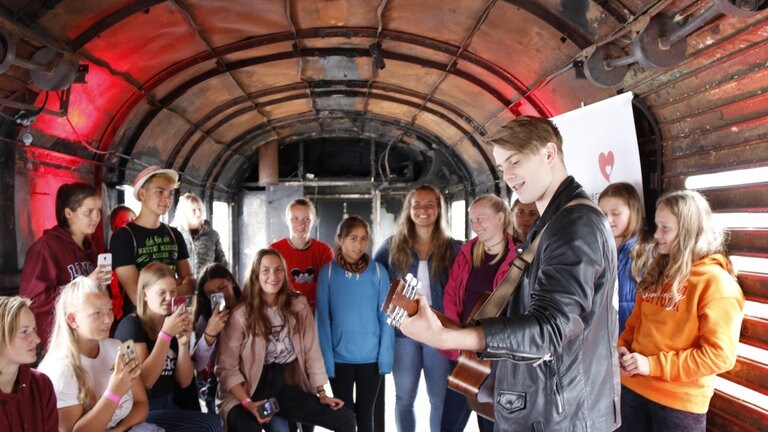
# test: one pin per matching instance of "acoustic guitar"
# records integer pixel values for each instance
(470, 377)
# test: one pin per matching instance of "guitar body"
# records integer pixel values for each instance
(472, 375)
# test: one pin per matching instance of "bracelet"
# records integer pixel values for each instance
(164, 336)
(111, 396)
(321, 393)
(245, 401)
(210, 335)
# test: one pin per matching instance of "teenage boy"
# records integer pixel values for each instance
(146, 239)
(303, 255)
(557, 367)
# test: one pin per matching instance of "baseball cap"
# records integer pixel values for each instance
(148, 172)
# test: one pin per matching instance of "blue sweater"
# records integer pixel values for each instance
(436, 282)
(350, 325)
(627, 284)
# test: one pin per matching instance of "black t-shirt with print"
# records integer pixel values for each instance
(137, 245)
(130, 328)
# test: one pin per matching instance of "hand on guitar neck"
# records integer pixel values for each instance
(410, 312)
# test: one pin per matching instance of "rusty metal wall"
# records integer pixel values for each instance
(712, 113)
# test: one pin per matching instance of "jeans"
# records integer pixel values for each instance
(411, 358)
(456, 412)
(165, 413)
(639, 414)
(366, 380)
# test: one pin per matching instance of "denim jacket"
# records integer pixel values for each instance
(436, 282)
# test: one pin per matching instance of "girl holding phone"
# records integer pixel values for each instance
(215, 283)
(62, 253)
(162, 345)
(96, 389)
(269, 349)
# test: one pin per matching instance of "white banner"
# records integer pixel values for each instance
(600, 144)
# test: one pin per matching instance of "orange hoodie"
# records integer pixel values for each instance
(689, 344)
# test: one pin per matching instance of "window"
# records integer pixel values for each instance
(221, 223)
(459, 220)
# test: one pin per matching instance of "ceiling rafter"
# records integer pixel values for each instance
(190, 20)
(327, 86)
(258, 41)
(421, 133)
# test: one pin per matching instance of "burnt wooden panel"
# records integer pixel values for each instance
(727, 413)
(755, 286)
(750, 127)
(749, 374)
(747, 241)
(726, 158)
(754, 331)
(749, 198)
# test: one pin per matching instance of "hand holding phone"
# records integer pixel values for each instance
(217, 300)
(268, 408)
(184, 302)
(103, 273)
(127, 351)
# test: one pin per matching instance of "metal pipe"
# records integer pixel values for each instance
(681, 33)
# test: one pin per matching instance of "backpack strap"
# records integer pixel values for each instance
(133, 238)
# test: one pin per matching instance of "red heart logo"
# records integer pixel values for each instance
(605, 160)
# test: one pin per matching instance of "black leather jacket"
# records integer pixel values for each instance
(558, 368)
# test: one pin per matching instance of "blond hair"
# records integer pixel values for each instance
(401, 245)
(184, 209)
(527, 135)
(697, 238)
(150, 275)
(303, 202)
(64, 337)
(498, 206)
(10, 316)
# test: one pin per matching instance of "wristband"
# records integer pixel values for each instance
(164, 336)
(210, 335)
(245, 401)
(111, 396)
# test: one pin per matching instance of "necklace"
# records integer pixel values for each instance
(489, 248)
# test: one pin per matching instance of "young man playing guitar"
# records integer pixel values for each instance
(556, 347)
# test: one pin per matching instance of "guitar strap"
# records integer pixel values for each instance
(497, 302)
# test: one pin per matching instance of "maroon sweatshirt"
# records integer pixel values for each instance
(52, 262)
(32, 405)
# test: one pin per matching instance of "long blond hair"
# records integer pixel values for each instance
(401, 244)
(64, 337)
(10, 316)
(153, 273)
(498, 206)
(256, 318)
(697, 238)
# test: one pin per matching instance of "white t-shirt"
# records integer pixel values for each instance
(99, 370)
(422, 274)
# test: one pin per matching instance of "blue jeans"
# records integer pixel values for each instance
(411, 358)
(642, 414)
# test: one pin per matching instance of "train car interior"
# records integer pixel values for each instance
(352, 103)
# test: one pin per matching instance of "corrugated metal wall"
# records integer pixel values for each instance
(712, 114)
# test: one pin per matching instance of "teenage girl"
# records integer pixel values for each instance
(685, 327)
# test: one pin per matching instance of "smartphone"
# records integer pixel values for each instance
(268, 408)
(178, 302)
(127, 351)
(104, 262)
(217, 299)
